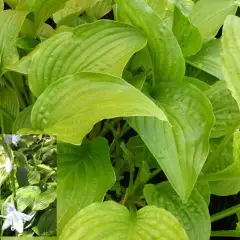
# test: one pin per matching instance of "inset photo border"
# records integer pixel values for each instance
(28, 181)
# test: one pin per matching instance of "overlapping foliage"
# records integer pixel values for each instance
(28, 183)
(159, 81)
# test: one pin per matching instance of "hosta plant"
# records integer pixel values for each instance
(144, 98)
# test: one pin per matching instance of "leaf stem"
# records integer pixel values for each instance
(107, 126)
(233, 233)
(154, 173)
(225, 213)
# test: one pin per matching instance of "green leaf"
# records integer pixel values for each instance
(231, 55)
(85, 174)
(184, 146)
(26, 43)
(159, 6)
(136, 80)
(208, 58)
(225, 109)
(23, 120)
(193, 215)
(73, 7)
(43, 200)
(224, 174)
(84, 51)
(186, 6)
(3, 173)
(45, 31)
(12, 3)
(110, 220)
(25, 196)
(1, 5)
(198, 83)
(165, 52)
(100, 8)
(9, 108)
(141, 153)
(188, 36)
(11, 22)
(42, 9)
(204, 189)
(209, 16)
(33, 177)
(92, 97)
(47, 223)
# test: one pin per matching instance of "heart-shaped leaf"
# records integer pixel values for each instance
(110, 220)
(181, 149)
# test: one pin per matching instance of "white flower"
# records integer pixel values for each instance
(14, 219)
(8, 164)
(11, 138)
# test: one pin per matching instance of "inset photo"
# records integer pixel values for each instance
(28, 181)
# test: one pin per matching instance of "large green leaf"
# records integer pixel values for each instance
(208, 58)
(112, 221)
(224, 174)
(10, 22)
(73, 7)
(23, 120)
(92, 97)
(85, 174)
(183, 147)
(225, 109)
(193, 215)
(231, 55)
(209, 16)
(165, 52)
(9, 108)
(104, 46)
(188, 36)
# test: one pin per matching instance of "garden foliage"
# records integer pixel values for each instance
(144, 98)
